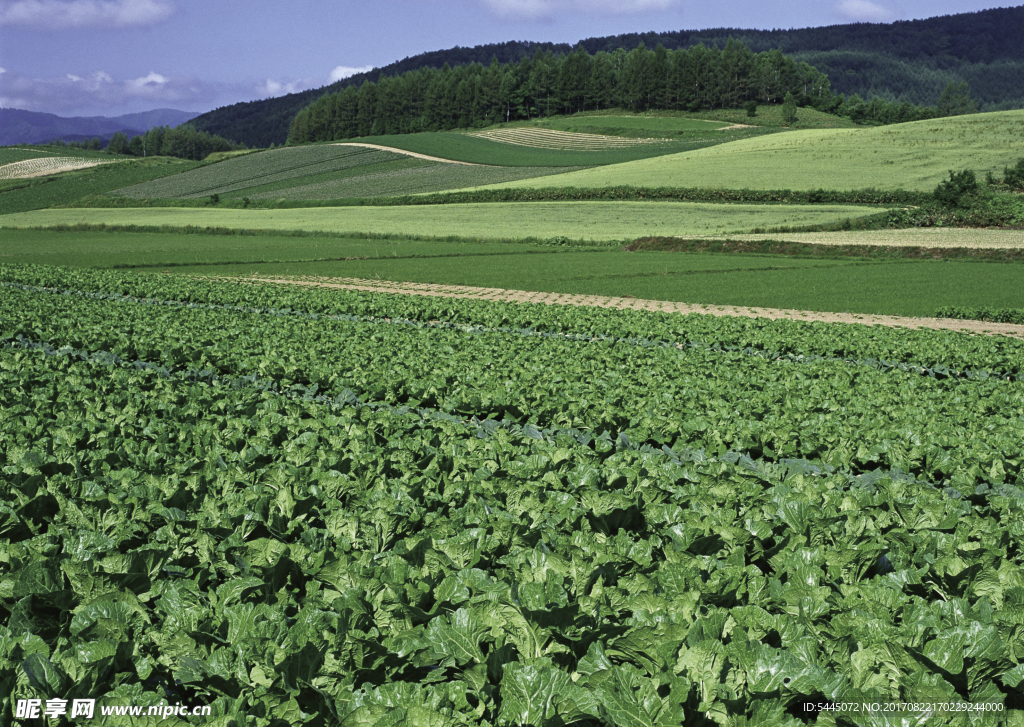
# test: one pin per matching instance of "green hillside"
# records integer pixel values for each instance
(324, 172)
(916, 156)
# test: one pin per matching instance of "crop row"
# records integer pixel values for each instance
(853, 417)
(202, 530)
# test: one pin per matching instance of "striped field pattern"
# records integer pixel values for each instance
(45, 165)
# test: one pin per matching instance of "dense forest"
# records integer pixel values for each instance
(907, 61)
(546, 84)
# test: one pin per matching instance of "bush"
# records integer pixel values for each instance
(1013, 177)
(956, 191)
(751, 108)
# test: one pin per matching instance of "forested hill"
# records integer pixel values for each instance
(903, 61)
(266, 122)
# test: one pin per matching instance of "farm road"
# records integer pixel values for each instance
(525, 296)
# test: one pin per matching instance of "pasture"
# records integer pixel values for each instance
(913, 156)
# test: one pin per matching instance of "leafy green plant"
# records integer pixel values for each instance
(314, 507)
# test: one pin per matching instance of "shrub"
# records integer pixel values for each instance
(1013, 177)
(954, 191)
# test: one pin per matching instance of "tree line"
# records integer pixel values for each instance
(184, 142)
(688, 79)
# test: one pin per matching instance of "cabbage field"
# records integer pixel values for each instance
(338, 508)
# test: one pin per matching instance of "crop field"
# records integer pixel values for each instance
(856, 285)
(43, 165)
(632, 125)
(905, 288)
(554, 139)
(10, 154)
(419, 178)
(343, 508)
(270, 170)
(325, 172)
(170, 250)
(542, 220)
(468, 147)
(915, 156)
(69, 187)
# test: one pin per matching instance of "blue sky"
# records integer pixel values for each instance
(108, 57)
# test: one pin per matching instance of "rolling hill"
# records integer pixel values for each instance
(915, 156)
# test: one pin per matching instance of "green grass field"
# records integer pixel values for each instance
(915, 156)
(154, 250)
(599, 221)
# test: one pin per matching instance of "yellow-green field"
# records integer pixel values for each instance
(599, 221)
(916, 155)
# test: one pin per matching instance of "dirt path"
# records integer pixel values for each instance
(408, 153)
(523, 296)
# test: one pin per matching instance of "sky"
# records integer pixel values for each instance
(110, 57)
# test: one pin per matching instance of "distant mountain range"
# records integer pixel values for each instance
(903, 61)
(31, 127)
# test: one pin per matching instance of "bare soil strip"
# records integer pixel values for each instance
(408, 153)
(524, 296)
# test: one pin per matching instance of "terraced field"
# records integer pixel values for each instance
(914, 156)
(554, 139)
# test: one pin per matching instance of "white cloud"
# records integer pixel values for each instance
(341, 72)
(536, 9)
(62, 14)
(865, 11)
(147, 84)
